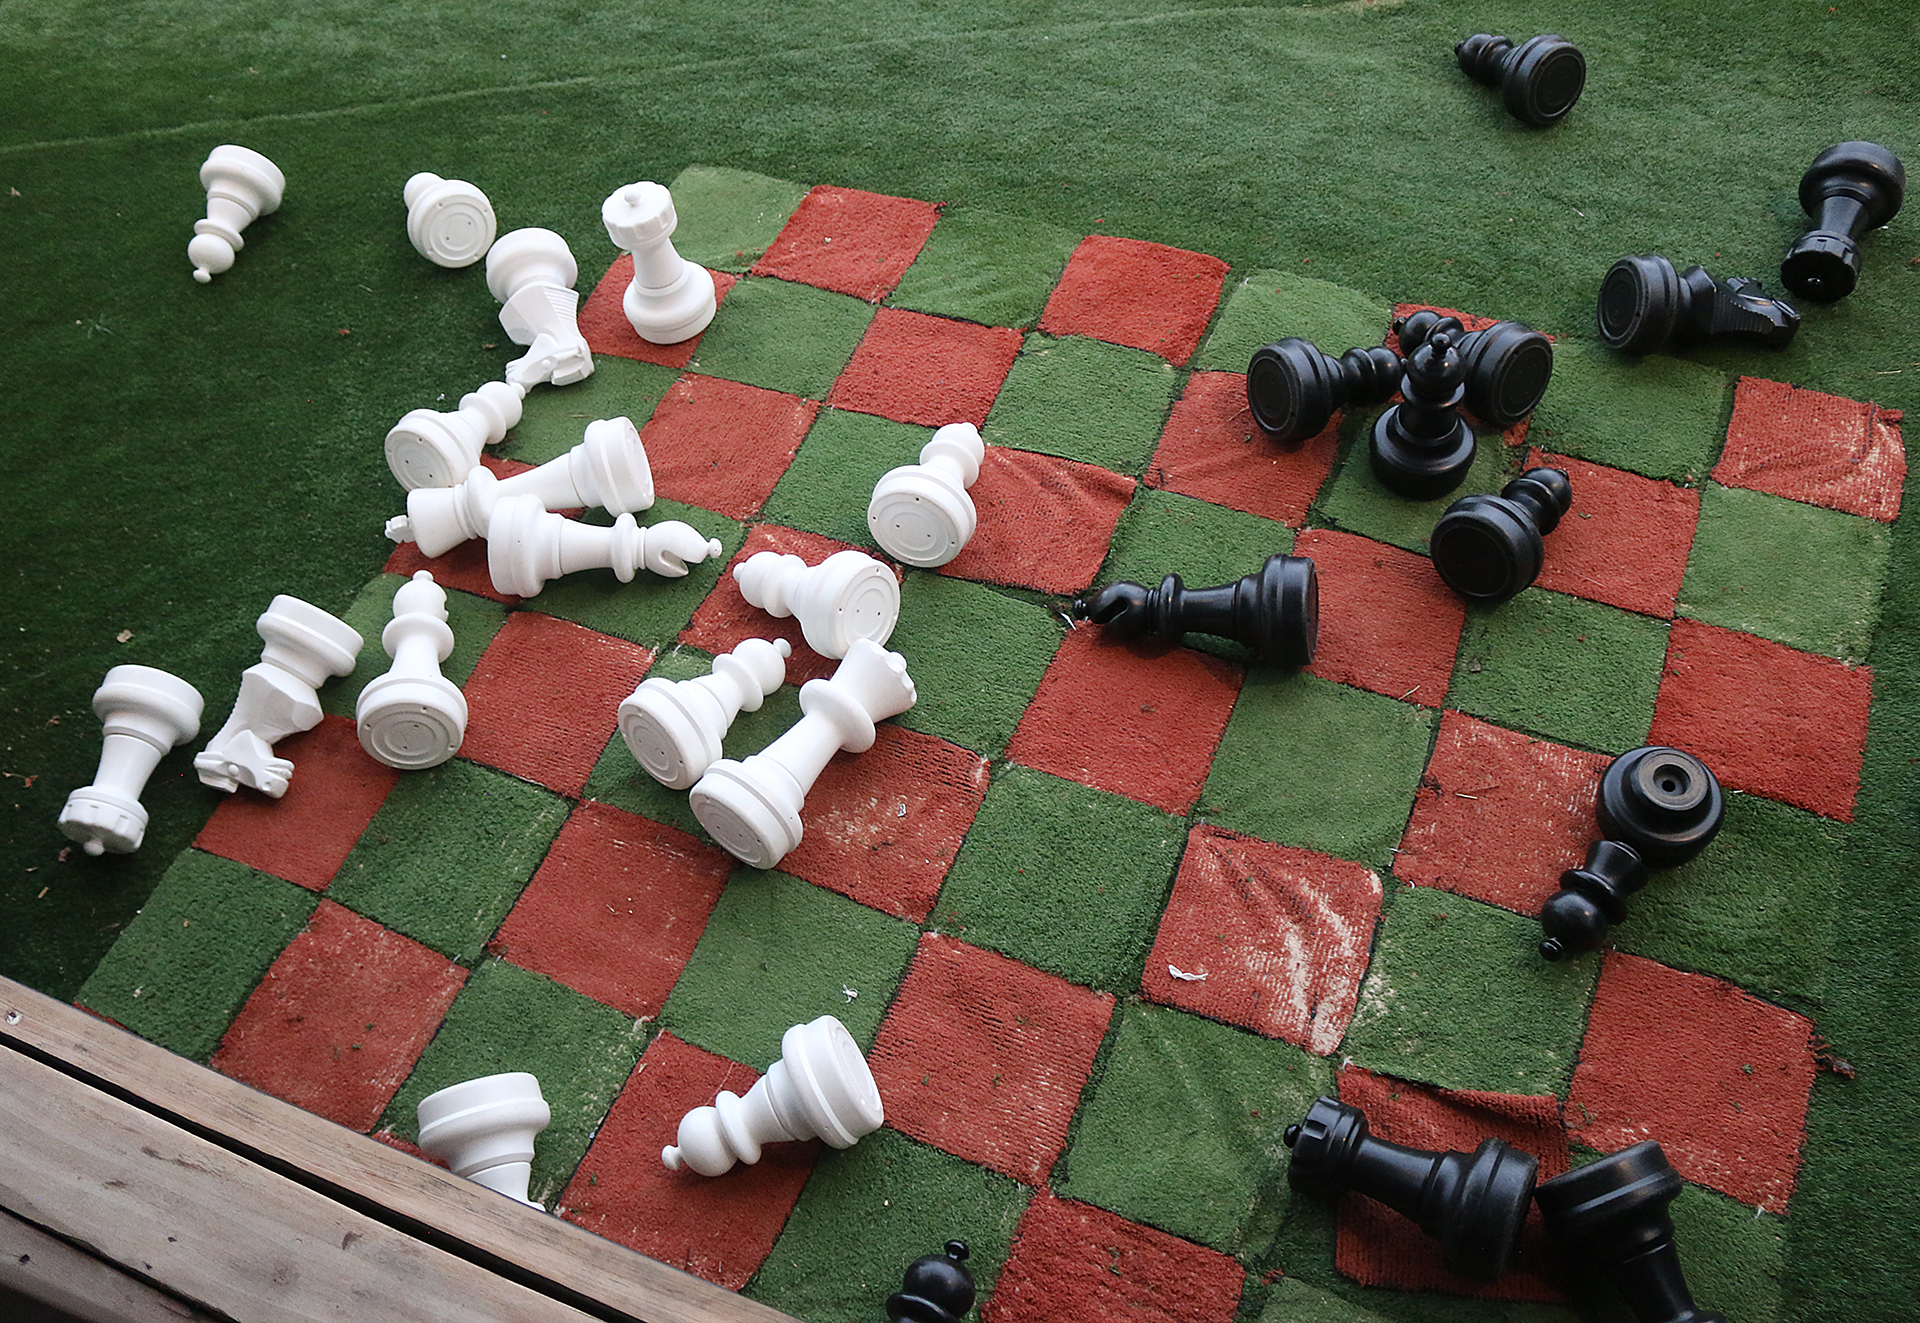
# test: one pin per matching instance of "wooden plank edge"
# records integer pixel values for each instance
(41, 1266)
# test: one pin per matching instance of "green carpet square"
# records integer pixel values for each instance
(825, 489)
(1182, 1131)
(448, 854)
(1734, 1255)
(1308, 762)
(553, 420)
(1797, 574)
(1659, 416)
(1293, 1301)
(1553, 665)
(778, 952)
(187, 962)
(782, 336)
(1086, 400)
(1458, 996)
(1063, 877)
(652, 609)
(473, 620)
(986, 266)
(1355, 500)
(1265, 306)
(976, 657)
(728, 217)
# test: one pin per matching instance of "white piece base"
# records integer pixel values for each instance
(427, 448)
(921, 514)
(484, 1130)
(754, 818)
(449, 221)
(145, 712)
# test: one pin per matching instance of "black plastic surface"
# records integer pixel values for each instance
(1664, 803)
(1293, 389)
(1539, 80)
(1421, 448)
(1488, 548)
(1592, 898)
(1509, 364)
(1274, 611)
(1647, 306)
(937, 1288)
(1850, 188)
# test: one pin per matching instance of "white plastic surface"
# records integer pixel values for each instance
(921, 514)
(531, 272)
(527, 546)
(846, 597)
(674, 727)
(449, 221)
(669, 299)
(146, 712)
(431, 449)
(413, 717)
(484, 1130)
(305, 646)
(242, 185)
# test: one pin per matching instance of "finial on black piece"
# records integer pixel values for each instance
(1508, 363)
(1421, 448)
(1850, 188)
(1664, 803)
(1275, 611)
(1645, 305)
(937, 1288)
(1293, 388)
(1591, 899)
(1539, 79)
(1490, 547)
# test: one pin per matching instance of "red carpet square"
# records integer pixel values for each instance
(717, 1228)
(850, 242)
(1138, 717)
(1143, 295)
(1213, 450)
(985, 1057)
(1624, 542)
(1281, 936)
(1718, 1077)
(722, 445)
(1044, 522)
(1500, 815)
(1387, 622)
(725, 619)
(913, 368)
(340, 1018)
(604, 323)
(1766, 718)
(1820, 449)
(544, 698)
(305, 835)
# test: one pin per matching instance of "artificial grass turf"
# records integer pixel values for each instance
(987, 267)
(554, 419)
(1084, 399)
(842, 449)
(973, 696)
(1260, 304)
(728, 217)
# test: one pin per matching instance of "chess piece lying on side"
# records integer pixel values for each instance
(527, 546)
(305, 646)
(146, 712)
(449, 221)
(427, 448)
(921, 514)
(242, 185)
(674, 727)
(846, 597)
(531, 272)
(484, 1130)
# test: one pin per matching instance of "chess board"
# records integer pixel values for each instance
(1106, 916)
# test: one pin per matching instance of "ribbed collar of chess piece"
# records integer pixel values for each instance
(484, 1129)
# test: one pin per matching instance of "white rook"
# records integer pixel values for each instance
(242, 185)
(531, 272)
(669, 299)
(413, 717)
(305, 646)
(146, 712)
(674, 727)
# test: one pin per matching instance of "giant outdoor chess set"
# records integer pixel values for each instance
(1105, 917)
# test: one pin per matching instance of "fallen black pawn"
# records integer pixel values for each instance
(1592, 898)
(1539, 79)
(1421, 448)
(937, 1288)
(1508, 363)
(1490, 547)
(1275, 611)
(1645, 306)
(1293, 388)
(1665, 804)
(1850, 188)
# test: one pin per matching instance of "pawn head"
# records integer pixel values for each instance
(210, 255)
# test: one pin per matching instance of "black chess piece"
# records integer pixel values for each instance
(1665, 804)
(1508, 363)
(1539, 79)
(1472, 1203)
(1293, 388)
(1850, 188)
(1614, 1213)
(1592, 898)
(1645, 305)
(937, 1288)
(1275, 611)
(1490, 547)
(1421, 448)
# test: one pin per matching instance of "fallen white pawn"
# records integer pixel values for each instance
(484, 1130)
(305, 646)
(669, 299)
(428, 448)
(921, 514)
(527, 546)
(531, 272)
(413, 717)
(847, 596)
(242, 185)
(449, 221)
(146, 712)
(674, 727)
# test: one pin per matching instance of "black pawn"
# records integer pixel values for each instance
(1490, 547)
(1472, 1203)
(1614, 1213)
(1591, 899)
(1508, 363)
(1275, 611)
(1421, 448)
(937, 1288)
(1539, 79)
(1850, 188)
(1646, 305)
(1293, 388)
(1665, 804)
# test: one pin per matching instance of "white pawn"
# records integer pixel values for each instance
(670, 299)
(241, 185)
(449, 221)
(526, 546)
(305, 645)
(752, 808)
(847, 596)
(531, 272)
(608, 469)
(674, 727)
(146, 712)
(820, 1088)
(413, 717)
(484, 1128)
(920, 513)
(428, 448)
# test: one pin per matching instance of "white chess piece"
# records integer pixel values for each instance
(449, 221)
(608, 469)
(847, 596)
(670, 299)
(920, 513)
(484, 1128)
(752, 808)
(242, 185)
(146, 712)
(305, 645)
(820, 1088)
(527, 546)
(674, 727)
(428, 448)
(531, 272)
(413, 717)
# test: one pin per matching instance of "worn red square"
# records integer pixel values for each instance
(1820, 449)
(914, 368)
(1626, 540)
(722, 445)
(1044, 522)
(342, 1015)
(985, 1057)
(1213, 450)
(719, 1228)
(1142, 295)
(305, 835)
(544, 699)
(1387, 621)
(1766, 718)
(725, 619)
(1270, 937)
(1718, 1077)
(850, 242)
(1139, 717)
(465, 567)
(603, 321)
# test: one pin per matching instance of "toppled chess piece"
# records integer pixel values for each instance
(484, 1130)
(1508, 364)
(146, 712)
(608, 469)
(242, 185)
(527, 546)
(531, 272)
(1472, 1203)
(449, 221)
(427, 448)
(921, 514)
(1592, 898)
(1293, 388)
(1490, 547)
(674, 727)
(936, 1288)
(1614, 1213)
(846, 597)
(1850, 188)
(305, 646)
(1421, 448)
(1646, 306)
(752, 808)
(1664, 803)
(413, 717)
(820, 1088)
(669, 299)
(1540, 79)
(1275, 611)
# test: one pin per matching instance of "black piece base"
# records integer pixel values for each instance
(1851, 188)
(1275, 612)
(1488, 548)
(1591, 899)
(1539, 80)
(1293, 389)
(1665, 804)
(1415, 469)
